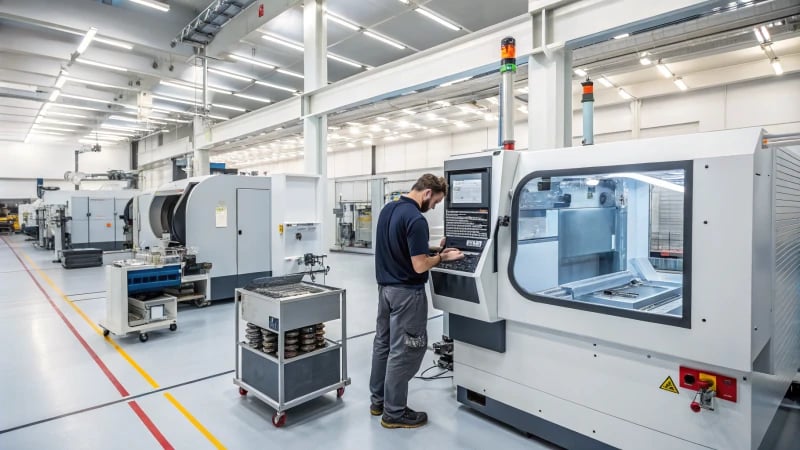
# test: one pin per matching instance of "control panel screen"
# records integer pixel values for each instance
(467, 188)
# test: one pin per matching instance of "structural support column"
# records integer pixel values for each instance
(201, 164)
(636, 118)
(316, 75)
(549, 102)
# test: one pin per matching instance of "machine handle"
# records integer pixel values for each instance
(695, 406)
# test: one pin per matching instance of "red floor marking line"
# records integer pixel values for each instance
(120, 388)
(150, 426)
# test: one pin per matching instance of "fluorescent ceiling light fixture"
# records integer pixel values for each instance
(645, 61)
(343, 22)
(54, 95)
(218, 117)
(44, 127)
(409, 112)
(579, 72)
(664, 70)
(765, 33)
(229, 107)
(434, 130)
(776, 66)
(252, 61)
(367, 142)
(440, 20)
(759, 36)
(381, 119)
(61, 122)
(351, 145)
(254, 98)
(375, 128)
(283, 42)
(97, 83)
(431, 116)
(385, 40)
(681, 85)
(99, 64)
(117, 127)
(235, 76)
(47, 133)
(647, 179)
(276, 86)
(131, 119)
(404, 1)
(87, 99)
(624, 94)
(107, 137)
(489, 117)
(622, 36)
(344, 61)
(53, 113)
(191, 87)
(460, 124)
(523, 109)
(290, 73)
(163, 7)
(116, 134)
(61, 80)
(443, 103)
(114, 43)
(87, 39)
(493, 100)
(178, 100)
(450, 83)
(95, 141)
(604, 81)
(82, 108)
(355, 131)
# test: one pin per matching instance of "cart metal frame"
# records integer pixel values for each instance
(281, 405)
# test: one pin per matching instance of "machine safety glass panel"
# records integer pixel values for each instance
(610, 240)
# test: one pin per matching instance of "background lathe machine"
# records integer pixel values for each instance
(574, 322)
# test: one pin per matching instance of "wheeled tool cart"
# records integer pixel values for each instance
(285, 359)
(136, 299)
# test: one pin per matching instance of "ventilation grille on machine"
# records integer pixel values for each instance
(786, 307)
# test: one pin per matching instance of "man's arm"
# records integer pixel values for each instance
(424, 263)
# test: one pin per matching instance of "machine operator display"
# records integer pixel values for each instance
(466, 221)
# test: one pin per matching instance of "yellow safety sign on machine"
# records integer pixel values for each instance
(669, 386)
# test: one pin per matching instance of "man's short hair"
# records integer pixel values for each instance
(430, 181)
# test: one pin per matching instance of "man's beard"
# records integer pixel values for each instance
(426, 205)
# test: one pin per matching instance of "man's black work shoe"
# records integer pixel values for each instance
(376, 410)
(409, 419)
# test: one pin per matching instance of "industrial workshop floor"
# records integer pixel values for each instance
(62, 385)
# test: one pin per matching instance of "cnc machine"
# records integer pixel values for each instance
(576, 320)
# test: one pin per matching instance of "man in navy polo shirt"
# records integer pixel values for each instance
(402, 262)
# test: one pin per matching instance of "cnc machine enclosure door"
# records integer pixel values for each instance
(252, 224)
(102, 214)
(79, 225)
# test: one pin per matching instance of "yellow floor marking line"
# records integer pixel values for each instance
(203, 430)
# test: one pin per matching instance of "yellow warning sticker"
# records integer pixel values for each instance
(669, 386)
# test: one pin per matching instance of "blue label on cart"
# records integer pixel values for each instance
(274, 322)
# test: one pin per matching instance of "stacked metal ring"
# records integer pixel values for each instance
(270, 342)
(254, 336)
(320, 335)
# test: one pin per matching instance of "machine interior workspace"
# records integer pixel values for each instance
(358, 203)
(610, 290)
(246, 227)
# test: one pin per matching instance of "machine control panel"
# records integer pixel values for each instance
(472, 249)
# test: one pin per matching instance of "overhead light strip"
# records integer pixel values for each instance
(87, 40)
(99, 64)
(438, 19)
(163, 7)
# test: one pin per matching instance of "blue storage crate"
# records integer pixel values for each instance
(154, 279)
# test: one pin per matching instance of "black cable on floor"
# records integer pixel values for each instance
(438, 376)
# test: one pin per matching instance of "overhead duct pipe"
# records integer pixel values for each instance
(508, 67)
(588, 112)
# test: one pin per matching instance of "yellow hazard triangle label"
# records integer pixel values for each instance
(669, 386)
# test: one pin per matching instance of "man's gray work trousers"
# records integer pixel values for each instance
(400, 341)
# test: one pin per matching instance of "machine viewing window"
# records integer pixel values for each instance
(469, 189)
(614, 240)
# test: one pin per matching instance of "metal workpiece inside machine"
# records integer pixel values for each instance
(614, 302)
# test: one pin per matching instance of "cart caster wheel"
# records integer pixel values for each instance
(340, 392)
(106, 332)
(242, 392)
(279, 420)
(143, 337)
(201, 303)
(173, 326)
